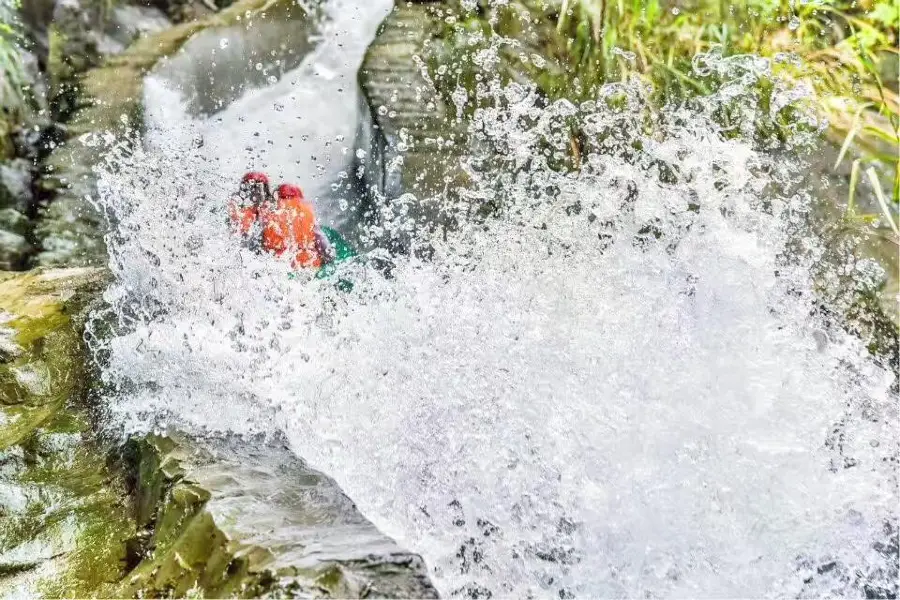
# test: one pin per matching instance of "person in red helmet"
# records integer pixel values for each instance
(290, 226)
(245, 209)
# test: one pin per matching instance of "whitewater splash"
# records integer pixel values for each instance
(617, 385)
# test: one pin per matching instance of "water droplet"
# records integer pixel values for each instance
(676, 11)
(360, 153)
(382, 110)
(272, 79)
(223, 43)
(259, 66)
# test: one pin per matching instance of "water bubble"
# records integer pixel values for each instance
(360, 153)
(259, 66)
(794, 23)
(272, 80)
(223, 43)
(382, 110)
(630, 57)
(676, 11)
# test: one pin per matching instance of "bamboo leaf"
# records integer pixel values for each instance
(879, 193)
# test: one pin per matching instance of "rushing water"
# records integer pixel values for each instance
(617, 386)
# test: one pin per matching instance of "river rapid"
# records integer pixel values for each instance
(618, 385)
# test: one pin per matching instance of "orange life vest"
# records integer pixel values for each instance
(288, 226)
(243, 218)
(291, 227)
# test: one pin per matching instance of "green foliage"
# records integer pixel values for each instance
(13, 100)
(847, 52)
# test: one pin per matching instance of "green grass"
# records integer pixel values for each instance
(847, 53)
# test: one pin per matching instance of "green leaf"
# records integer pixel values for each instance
(886, 13)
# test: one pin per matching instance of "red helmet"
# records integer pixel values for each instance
(287, 190)
(255, 177)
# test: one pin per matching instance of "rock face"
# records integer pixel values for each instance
(63, 518)
(247, 517)
(417, 141)
(162, 516)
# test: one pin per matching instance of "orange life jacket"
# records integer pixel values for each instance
(243, 218)
(291, 227)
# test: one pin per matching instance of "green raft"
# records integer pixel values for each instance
(342, 251)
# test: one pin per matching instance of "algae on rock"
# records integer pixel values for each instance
(238, 517)
(63, 516)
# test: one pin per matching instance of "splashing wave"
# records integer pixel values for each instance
(617, 384)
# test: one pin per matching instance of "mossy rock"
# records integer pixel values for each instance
(63, 516)
(245, 517)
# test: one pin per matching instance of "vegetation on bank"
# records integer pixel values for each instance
(844, 50)
(847, 51)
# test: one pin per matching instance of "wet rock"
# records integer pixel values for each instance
(416, 139)
(247, 517)
(13, 221)
(129, 22)
(15, 200)
(36, 18)
(62, 516)
(14, 250)
(72, 48)
(188, 10)
(15, 184)
(421, 110)
(163, 516)
(36, 84)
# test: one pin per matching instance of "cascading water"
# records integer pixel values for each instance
(617, 385)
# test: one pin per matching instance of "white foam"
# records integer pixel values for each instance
(559, 402)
